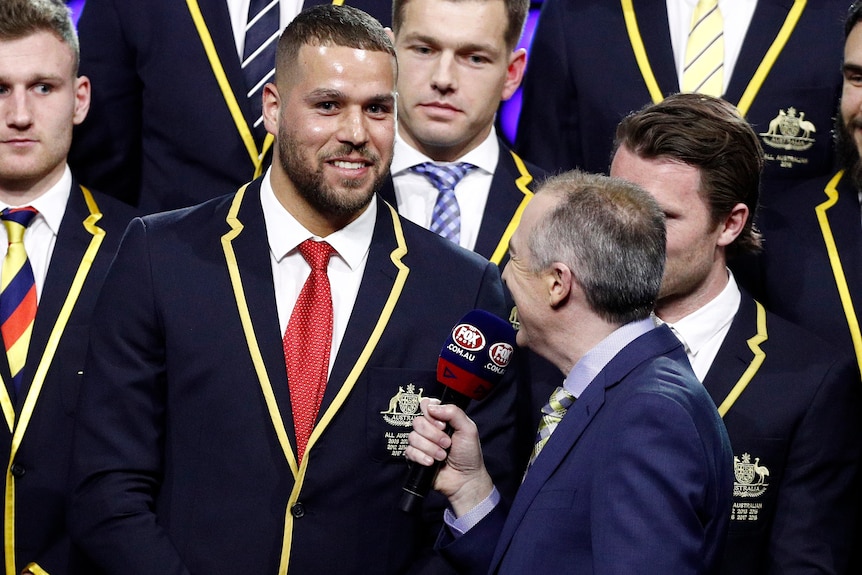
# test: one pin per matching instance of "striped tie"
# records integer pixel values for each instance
(704, 52)
(258, 57)
(17, 292)
(552, 414)
(446, 216)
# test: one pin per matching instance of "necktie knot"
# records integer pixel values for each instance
(444, 177)
(16, 220)
(446, 215)
(317, 254)
(559, 402)
(552, 414)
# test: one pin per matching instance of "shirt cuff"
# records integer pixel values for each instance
(461, 525)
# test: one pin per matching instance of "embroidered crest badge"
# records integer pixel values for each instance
(403, 407)
(789, 130)
(750, 477)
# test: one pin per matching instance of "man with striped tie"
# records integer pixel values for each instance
(176, 115)
(59, 239)
(631, 467)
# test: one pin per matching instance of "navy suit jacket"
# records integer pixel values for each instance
(796, 434)
(161, 133)
(184, 454)
(512, 187)
(636, 478)
(810, 270)
(38, 421)
(583, 77)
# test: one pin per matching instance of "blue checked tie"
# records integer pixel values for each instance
(446, 217)
(560, 401)
(258, 57)
(17, 292)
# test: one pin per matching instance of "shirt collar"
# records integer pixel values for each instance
(595, 360)
(484, 156)
(52, 204)
(285, 233)
(697, 328)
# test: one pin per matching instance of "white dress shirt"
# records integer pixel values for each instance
(737, 17)
(703, 331)
(41, 235)
(416, 195)
(288, 9)
(290, 270)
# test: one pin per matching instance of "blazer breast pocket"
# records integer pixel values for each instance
(392, 403)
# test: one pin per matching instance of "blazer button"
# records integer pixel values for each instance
(18, 470)
(297, 510)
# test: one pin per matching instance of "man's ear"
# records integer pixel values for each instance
(514, 73)
(733, 224)
(558, 282)
(271, 106)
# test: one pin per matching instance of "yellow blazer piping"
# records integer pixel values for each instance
(521, 182)
(754, 342)
(20, 428)
(831, 191)
(239, 120)
(757, 79)
(265, 384)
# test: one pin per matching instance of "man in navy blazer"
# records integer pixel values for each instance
(170, 124)
(790, 401)
(592, 62)
(186, 456)
(456, 62)
(69, 244)
(810, 270)
(632, 469)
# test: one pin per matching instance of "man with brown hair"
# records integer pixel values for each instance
(235, 416)
(790, 402)
(51, 276)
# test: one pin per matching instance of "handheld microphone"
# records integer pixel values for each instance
(473, 359)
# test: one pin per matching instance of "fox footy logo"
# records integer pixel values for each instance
(468, 337)
(501, 353)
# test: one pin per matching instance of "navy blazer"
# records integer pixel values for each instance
(38, 422)
(636, 478)
(796, 433)
(602, 66)
(810, 270)
(169, 125)
(184, 455)
(512, 187)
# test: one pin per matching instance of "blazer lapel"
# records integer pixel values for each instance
(504, 206)
(212, 23)
(768, 18)
(734, 356)
(651, 16)
(247, 254)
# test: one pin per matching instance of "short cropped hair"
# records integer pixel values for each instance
(20, 18)
(330, 25)
(611, 234)
(516, 12)
(709, 134)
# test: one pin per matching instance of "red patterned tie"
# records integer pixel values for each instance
(307, 342)
(17, 292)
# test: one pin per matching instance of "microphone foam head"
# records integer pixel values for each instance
(476, 354)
